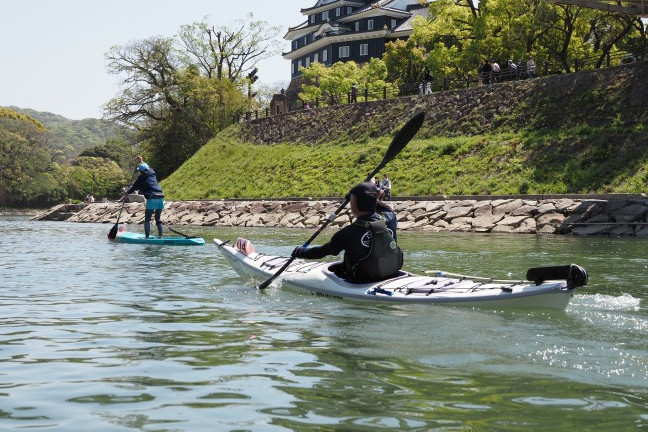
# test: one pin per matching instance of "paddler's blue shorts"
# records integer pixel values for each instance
(155, 204)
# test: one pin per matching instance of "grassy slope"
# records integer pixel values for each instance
(575, 133)
(581, 160)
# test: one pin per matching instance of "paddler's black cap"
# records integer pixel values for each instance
(366, 195)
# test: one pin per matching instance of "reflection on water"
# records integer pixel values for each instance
(103, 336)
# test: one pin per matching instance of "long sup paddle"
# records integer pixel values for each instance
(399, 142)
(187, 236)
(113, 231)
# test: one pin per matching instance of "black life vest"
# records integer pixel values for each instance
(384, 259)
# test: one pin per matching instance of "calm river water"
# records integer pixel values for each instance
(96, 336)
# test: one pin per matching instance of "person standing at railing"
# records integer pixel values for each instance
(513, 70)
(531, 67)
(385, 185)
(495, 67)
(354, 93)
(381, 192)
(428, 81)
(486, 72)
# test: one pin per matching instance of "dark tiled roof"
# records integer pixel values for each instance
(407, 25)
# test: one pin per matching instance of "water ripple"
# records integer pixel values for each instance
(107, 337)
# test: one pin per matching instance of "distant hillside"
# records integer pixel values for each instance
(69, 137)
(575, 133)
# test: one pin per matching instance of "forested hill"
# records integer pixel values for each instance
(69, 137)
(565, 134)
(39, 164)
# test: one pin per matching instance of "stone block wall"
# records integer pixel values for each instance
(518, 215)
(550, 102)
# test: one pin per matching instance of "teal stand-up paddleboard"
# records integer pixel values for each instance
(137, 238)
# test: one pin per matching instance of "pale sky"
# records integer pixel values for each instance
(52, 51)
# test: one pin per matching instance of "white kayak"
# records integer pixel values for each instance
(435, 287)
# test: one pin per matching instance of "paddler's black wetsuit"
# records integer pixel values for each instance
(356, 240)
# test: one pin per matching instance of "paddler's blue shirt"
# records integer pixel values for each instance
(354, 239)
(147, 185)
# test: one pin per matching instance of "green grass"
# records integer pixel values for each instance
(576, 160)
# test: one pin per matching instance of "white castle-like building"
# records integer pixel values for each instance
(344, 30)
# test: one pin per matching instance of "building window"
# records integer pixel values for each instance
(325, 55)
(312, 19)
(294, 66)
(364, 49)
(307, 65)
(349, 10)
(370, 24)
(357, 26)
(325, 15)
(315, 57)
(344, 51)
(305, 40)
(299, 65)
(393, 23)
(338, 12)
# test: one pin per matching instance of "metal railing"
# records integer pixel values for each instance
(391, 91)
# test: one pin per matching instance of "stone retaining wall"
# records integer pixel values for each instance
(612, 94)
(616, 217)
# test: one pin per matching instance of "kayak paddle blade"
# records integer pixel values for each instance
(403, 136)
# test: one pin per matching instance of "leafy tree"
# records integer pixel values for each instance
(228, 52)
(6, 113)
(337, 82)
(213, 103)
(333, 84)
(404, 61)
(372, 77)
(149, 93)
(118, 149)
(30, 178)
(590, 37)
(311, 91)
(179, 92)
(460, 34)
(99, 176)
(23, 160)
(209, 106)
(636, 42)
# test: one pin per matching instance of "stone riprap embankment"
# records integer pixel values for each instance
(610, 95)
(621, 216)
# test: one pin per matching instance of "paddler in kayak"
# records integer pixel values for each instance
(369, 243)
(148, 186)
